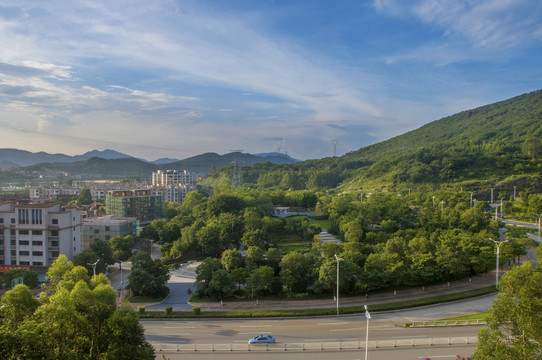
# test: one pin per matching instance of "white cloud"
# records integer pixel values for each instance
(493, 24)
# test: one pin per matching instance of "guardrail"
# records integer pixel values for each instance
(317, 346)
(447, 323)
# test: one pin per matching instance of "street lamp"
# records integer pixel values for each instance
(368, 316)
(498, 243)
(492, 195)
(120, 267)
(94, 267)
(338, 262)
(539, 216)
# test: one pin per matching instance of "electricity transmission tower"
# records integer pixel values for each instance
(237, 175)
(334, 142)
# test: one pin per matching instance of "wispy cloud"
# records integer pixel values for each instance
(209, 76)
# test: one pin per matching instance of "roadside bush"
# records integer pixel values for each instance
(168, 310)
(196, 310)
(141, 309)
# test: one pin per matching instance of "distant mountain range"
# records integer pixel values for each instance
(111, 163)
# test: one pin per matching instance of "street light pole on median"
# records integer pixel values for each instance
(338, 262)
(498, 243)
(368, 316)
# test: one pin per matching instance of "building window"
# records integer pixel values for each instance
(24, 262)
(54, 254)
(23, 232)
(13, 220)
(13, 242)
(37, 243)
(13, 252)
(37, 263)
(37, 253)
(54, 243)
(55, 221)
(12, 231)
(24, 253)
(54, 232)
(1, 220)
(24, 242)
(37, 232)
(96, 231)
(107, 228)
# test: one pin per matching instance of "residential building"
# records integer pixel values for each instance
(173, 185)
(36, 234)
(106, 227)
(140, 204)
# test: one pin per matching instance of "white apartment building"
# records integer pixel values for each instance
(35, 235)
(173, 185)
(173, 178)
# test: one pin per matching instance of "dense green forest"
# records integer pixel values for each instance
(494, 143)
(388, 240)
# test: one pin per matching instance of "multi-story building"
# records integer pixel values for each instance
(44, 195)
(172, 178)
(140, 204)
(107, 227)
(173, 185)
(36, 234)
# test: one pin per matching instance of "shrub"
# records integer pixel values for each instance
(141, 309)
(168, 310)
(196, 310)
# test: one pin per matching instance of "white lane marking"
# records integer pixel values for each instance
(359, 328)
(179, 327)
(409, 337)
(252, 333)
(255, 326)
(336, 323)
(329, 340)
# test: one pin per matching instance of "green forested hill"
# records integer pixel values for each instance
(489, 143)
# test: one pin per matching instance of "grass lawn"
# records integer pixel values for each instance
(289, 243)
(479, 316)
(323, 223)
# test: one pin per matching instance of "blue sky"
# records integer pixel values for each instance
(179, 78)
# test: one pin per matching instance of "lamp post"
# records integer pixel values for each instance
(367, 316)
(120, 267)
(492, 195)
(94, 267)
(539, 216)
(498, 243)
(338, 262)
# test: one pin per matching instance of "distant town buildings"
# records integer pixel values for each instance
(35, 235)
(106, 227)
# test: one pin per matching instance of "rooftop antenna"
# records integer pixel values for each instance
(237, 175)
(334, 142)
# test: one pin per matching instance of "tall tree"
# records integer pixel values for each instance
(514, 325)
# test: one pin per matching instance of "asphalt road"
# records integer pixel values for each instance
(382, 326)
